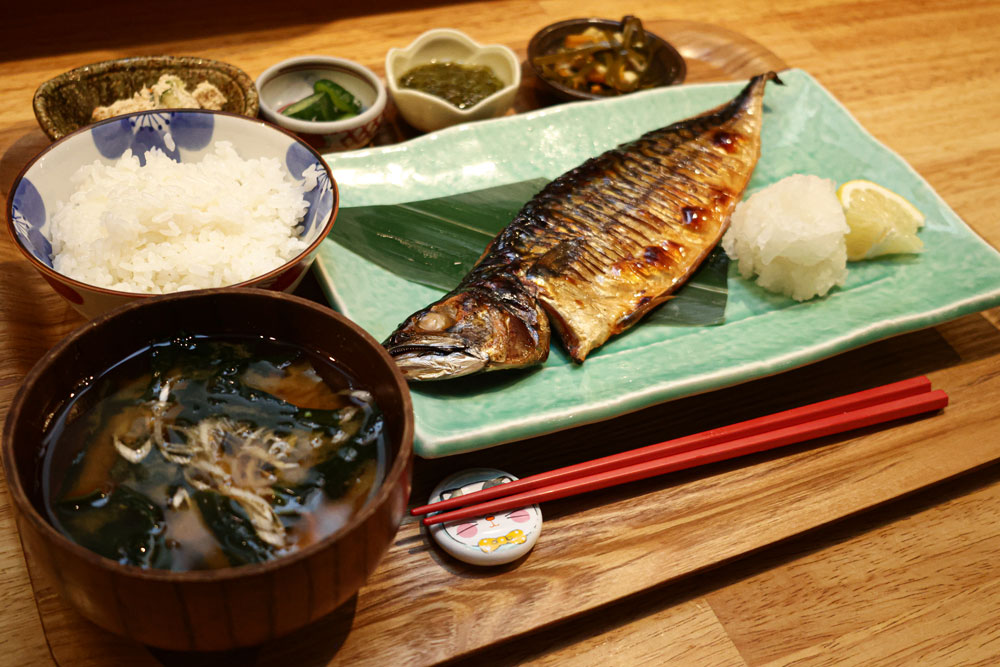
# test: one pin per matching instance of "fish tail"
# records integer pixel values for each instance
(756, 86)
(752, 92)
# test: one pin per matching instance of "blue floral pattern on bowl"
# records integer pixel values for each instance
(168, 131)
(301, 163)
(28, 215)
(184, 136)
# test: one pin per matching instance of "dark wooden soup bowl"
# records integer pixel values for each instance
(209, 609)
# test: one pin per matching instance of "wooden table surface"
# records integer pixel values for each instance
(877, 547)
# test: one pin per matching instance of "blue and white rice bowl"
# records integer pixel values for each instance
(184, 135)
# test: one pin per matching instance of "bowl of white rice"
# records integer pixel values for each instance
(166, 201)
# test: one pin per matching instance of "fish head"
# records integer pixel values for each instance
(467, 332)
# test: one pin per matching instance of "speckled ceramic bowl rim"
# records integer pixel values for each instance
(539, 37)
(55, 275)
(41, 108)
(301, 63)
(434, 100)
(28, 509)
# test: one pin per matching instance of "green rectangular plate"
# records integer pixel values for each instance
(805, 131)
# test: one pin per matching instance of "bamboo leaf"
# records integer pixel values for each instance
(702, 300)
(436, 242)
(433, 242)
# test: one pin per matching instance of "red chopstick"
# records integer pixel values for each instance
(876, 395)
(866, 415)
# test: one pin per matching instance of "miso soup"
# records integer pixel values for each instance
(206, 452)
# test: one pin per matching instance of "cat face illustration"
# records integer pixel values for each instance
(493, 531)
(490, 539)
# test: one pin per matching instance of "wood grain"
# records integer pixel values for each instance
(212, 610)
(700, 568)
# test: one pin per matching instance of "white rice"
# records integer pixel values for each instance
(169, 226)
(791, 235)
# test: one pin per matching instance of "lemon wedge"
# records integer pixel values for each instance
(881, 221)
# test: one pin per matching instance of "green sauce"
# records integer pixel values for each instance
(461, 85)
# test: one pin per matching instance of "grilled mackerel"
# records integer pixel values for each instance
(595, 250)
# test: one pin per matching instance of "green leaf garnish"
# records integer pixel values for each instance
(436, 242)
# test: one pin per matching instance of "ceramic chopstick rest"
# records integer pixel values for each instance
(493, 539)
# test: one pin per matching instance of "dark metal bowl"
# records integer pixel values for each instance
(667, 69)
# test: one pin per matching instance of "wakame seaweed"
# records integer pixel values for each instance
(125, 526)
(219, 391)
(232, 528)
(336, 474)
(186, 433)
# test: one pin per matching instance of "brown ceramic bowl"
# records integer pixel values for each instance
(64, 104)
(667, 69)
(210, 609)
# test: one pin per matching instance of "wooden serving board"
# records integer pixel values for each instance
(602, 550)
(422, 607)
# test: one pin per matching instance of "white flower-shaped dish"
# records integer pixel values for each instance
(428, 112)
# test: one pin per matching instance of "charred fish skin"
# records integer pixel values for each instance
(487, 323)
(595, 250)
(627, 228)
